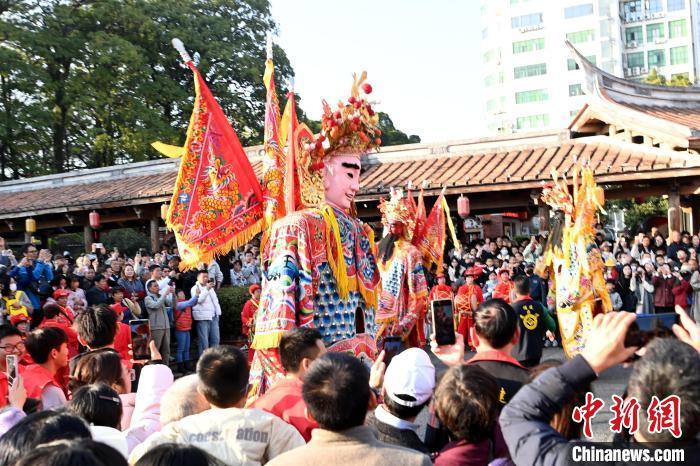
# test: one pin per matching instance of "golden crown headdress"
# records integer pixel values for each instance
(351, 129)
(398, 209)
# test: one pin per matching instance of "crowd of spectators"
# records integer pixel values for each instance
(79, 397)
(646, 273)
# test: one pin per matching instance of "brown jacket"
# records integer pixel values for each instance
(356, 446)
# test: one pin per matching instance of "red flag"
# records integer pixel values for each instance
(430, 239)
(420, 212)
(217, 200)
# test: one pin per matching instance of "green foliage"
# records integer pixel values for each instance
(91, 84)
(232, 300)
(636, 215)
(392, 136)
(678, 80)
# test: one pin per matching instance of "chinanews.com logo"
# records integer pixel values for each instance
(592, 454)
(661, 415)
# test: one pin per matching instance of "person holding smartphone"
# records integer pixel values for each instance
(156, 304)
(11, 344)
(206, 312)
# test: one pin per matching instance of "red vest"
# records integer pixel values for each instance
(122, 340)
(36, 378)
(284, 401)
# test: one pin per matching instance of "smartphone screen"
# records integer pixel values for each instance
(11, 361)
(443, 321)
(649, 326)
(140, 336)
(392, 346)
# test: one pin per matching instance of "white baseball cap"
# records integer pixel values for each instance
(410, 373)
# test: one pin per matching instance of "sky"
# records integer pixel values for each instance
(422, 57)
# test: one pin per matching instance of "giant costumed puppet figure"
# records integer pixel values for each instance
(403, 299)
(319, 268)
(573, 257)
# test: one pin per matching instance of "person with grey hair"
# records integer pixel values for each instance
(182, 399)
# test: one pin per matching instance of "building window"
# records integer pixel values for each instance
(656, 58)
(533, 19)
(495, 78)
(528, 45)
(679, 55)
(526, 97)
(571, 64)
(655, 6)
(677, 29)
(634, 35)
(655, 32)
(632, 10)
(490, 55)
(529, 70)
(574, 90)
(675, 5)
(578, 10)
(532, 121)
(635, 60)
(581, 36)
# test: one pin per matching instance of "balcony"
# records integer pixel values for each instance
(635, 71)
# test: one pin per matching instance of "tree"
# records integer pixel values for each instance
(638, 213)
(677, 80)
(392, 136)
(86, 84)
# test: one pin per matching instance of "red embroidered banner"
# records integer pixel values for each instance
(217, 201)
(430, 238)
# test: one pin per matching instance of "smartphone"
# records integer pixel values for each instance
(99, 246)
(392, 346)
(649, 326)
(443, 321)
(140, 337)
(11, 361)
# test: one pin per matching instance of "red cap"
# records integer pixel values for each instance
(474, 271)
(61, 293)
(16, 319)
(117, 307)
(253, 288)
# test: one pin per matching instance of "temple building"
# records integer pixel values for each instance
(641, 140)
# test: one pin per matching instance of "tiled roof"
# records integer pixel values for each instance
(689, 117)
(459, 170)
(668, 115)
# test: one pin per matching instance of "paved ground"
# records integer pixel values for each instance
(611, 382)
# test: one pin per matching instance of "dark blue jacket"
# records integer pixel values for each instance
(525, 420)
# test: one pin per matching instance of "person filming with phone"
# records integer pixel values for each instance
(156, 305)
(206, 312)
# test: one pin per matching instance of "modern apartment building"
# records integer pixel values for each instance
(530, 80)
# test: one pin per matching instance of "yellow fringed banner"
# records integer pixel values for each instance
(217, 201)
(450, 225)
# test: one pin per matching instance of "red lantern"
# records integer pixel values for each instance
(94, 220)
(522, 216)
(463, 206)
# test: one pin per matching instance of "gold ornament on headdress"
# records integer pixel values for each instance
(398, 209)
(350, 129)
